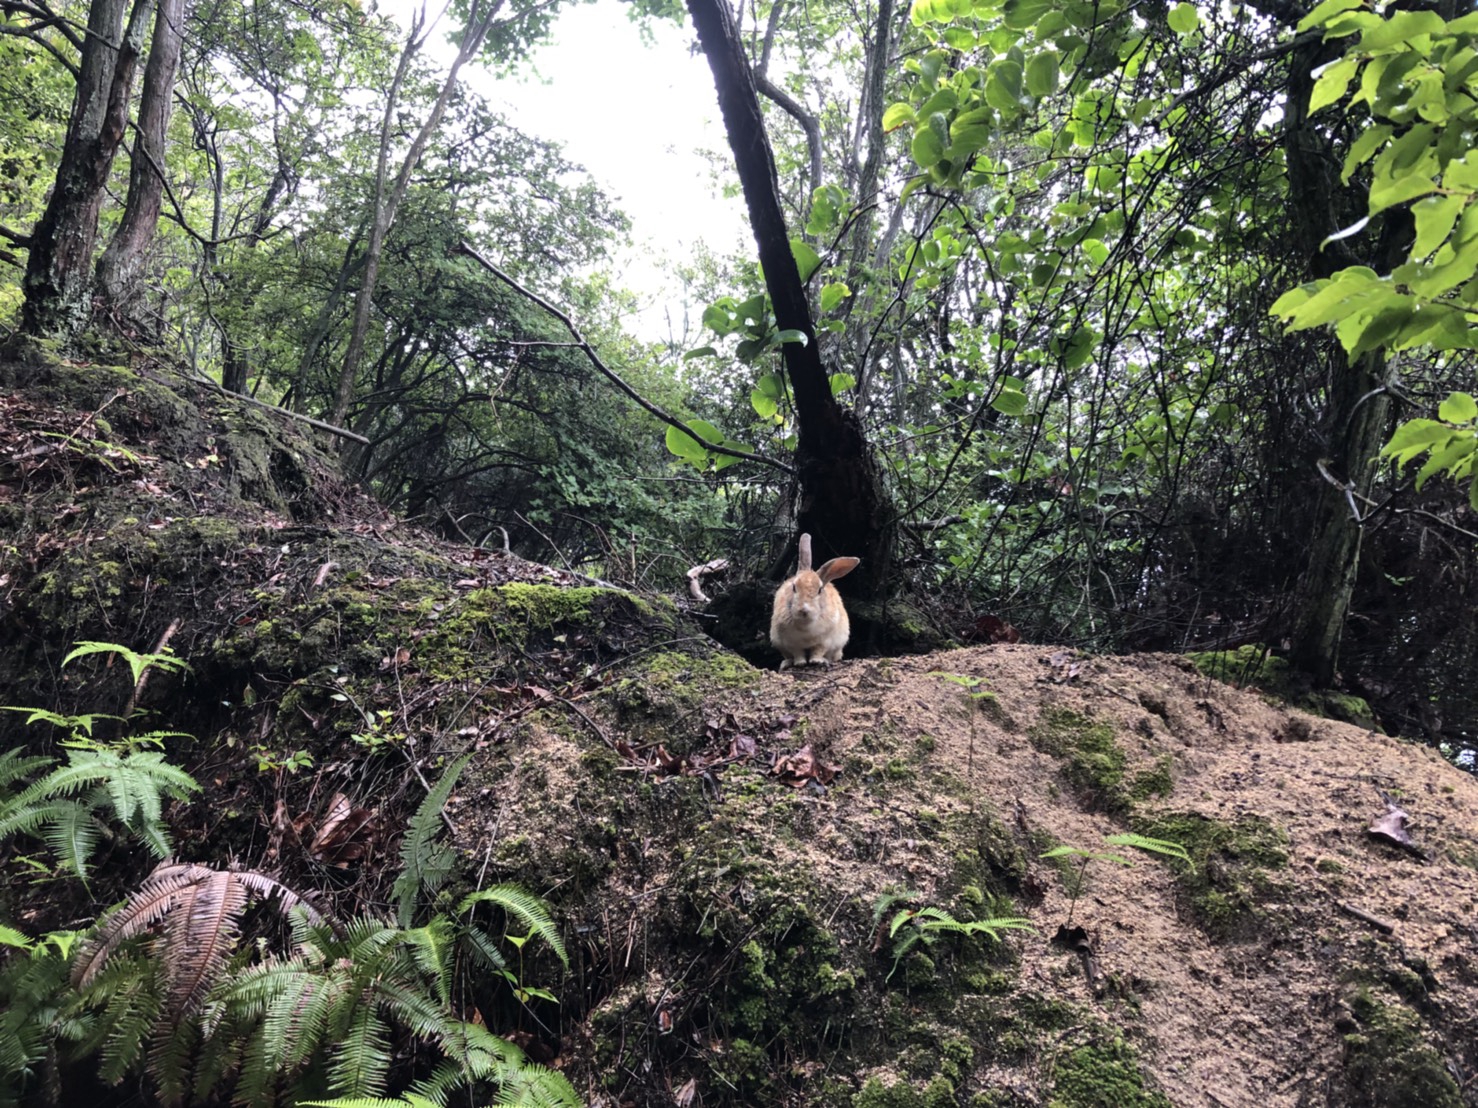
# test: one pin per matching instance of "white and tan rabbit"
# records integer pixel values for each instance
(810, 622)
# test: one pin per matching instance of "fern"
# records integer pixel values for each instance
(530, 910)
(63, 806)
(425, 863)
(137, 663)
(925, 925)
(1152, 846)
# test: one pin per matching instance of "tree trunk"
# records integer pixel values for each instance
(843, 503)
(58, 281)
(1358, 410)
(122, 262)
(479, 20)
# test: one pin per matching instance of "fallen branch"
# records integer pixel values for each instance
(707, 569)
(1379, 924)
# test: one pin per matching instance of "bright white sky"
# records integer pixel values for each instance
(633, 115)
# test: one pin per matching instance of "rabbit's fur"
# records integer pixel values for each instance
(810, 622)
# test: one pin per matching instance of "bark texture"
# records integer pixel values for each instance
(122, 262)
(58, 281)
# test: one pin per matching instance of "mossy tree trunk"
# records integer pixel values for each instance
(1357, 412)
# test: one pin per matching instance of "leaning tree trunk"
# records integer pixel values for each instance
(1357, 410)
(58, 281)
(844, 505)
(123, 261)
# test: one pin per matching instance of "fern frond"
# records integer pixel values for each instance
(72, 833)
(196, 949)
(131, 1009)
(417, 852)
(995, 924)
(424, 1016)
(24, 819)
(153, 899)
(270, 889)
(15, 763)
(362, 1060)
(482, 948)
(891, 899)
(1153, 846)
(530, 910)
(535, 1086)
(172, 1059)
(410, 1100)
(431, 948)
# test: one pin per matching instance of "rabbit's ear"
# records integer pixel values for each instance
(803, 554)
(837, 567)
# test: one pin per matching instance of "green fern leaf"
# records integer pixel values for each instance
(1153, 846)
(73, 834)
(422, 865)
(531, 911)
(15, 764)
(361, 1060)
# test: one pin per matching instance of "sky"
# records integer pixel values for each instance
(634, 116)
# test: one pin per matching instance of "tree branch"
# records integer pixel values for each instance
(610, 374)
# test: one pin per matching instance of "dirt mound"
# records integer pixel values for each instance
(798, 888)
(740, 921)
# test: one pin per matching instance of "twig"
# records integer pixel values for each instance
(610, 374)
(342, 432)
(1375, 921)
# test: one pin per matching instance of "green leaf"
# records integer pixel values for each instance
(1370, 140)
(927, 149)
(770, 385)
(1003, 85)
(1450, 459)
(896, 116)
(833, 294)
(1434, 219)
(700, 352)
(841, 382)
(806, 259)
(684, 447)
(1332, 83)
(1042, 74)
(1401, 29)
(1324, 12)
(1414, 437)
(1458, 408)
(1009, 401)
(1183, 18)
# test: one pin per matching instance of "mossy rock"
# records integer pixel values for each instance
(1256, 666)
(1093, 761)
(1233, 862)
(1102, 1075)
(1387, 1063)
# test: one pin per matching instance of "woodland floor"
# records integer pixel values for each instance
(726, 847)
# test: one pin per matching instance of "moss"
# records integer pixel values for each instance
(1387, 1064)
(1102, 1075)
(1094, 762)
(1232, 863)
(1256, 666)
(1152, 782)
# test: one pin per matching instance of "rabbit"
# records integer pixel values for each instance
(810, 622)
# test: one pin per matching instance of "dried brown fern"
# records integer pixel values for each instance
(195, 912)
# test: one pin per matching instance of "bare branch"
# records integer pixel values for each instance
(610, 374)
